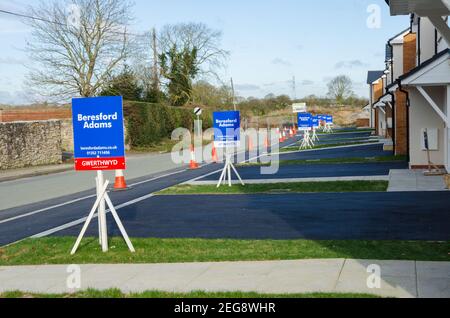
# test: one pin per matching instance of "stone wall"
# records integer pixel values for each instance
(67, 135)
(24, 144)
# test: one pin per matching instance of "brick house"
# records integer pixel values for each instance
(416, 96)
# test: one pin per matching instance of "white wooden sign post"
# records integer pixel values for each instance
(103, 199)
(99, 145)
(227, 127)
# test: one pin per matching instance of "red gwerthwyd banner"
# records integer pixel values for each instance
(94, 164)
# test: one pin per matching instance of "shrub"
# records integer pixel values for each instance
(148, 124)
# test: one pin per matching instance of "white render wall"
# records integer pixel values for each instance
(398, 60)
(422, 115)
(427, 38)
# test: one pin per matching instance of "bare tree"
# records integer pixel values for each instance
(78, 45)
(340, 88)
(198, 36)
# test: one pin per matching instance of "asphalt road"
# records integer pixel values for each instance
(172, 217)
(322, 216)
(24, 220)
(318, 171)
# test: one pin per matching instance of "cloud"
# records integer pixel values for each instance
(280, 61)
(247, 87)
(299, 47)
(350, 64)
(11, 60)
(306, 83)
(15, 97)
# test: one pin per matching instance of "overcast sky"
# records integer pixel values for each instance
(270, 41)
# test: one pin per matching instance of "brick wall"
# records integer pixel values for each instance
(363, 122)
(377, 90)
(377, 93)
(389, 131)
(409, 52)
(12, 115)
(401, 124)
(401, 109)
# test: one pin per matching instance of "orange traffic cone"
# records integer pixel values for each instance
(193, 164)
(266, 142)
(280, 135)
(215, 159)
(120, 183)
(250, 144)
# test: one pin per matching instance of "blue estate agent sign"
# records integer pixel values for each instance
(98, 131)
(329, 119)
(227, 129)
(315, 122)
(304, 121)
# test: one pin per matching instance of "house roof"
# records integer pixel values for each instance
(383, 99)
(419, 68)
(422, 7)
(407, 30)
(372, 76)
(424, 64)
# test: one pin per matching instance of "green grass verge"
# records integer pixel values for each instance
(344, 131)
(278, 188)
(329, 161)
(115, 293)
(149, 251)
(296, 148)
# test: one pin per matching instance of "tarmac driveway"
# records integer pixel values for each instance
(320, 216)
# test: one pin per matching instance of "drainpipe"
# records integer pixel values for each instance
(372, 124)
(435, 41)
(419, 49)
(393, 119)
(392, 61)
(408, 105)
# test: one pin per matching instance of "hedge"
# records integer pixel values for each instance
(148, 124)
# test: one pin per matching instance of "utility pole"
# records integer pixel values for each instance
(233, 95)
(294, 89)
(155, 71)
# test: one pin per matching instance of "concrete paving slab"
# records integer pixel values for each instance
(433, 270)
(398, 278)
(404, 180)
(229, 277)
(434, 287)
(307, 276)
(433, 279)
(164, 277)
(37, 279)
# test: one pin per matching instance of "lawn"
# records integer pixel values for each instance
(296, 148)
(150, 251)
(294, 187)
(345, 131)
(329, 161)
(115, 293)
